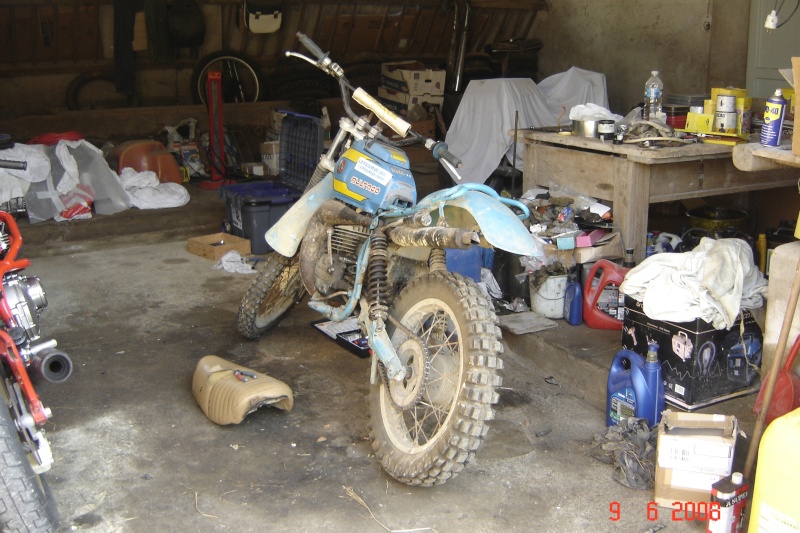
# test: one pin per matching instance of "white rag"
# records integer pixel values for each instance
(233, 261)
(713, 282)
(147, 192)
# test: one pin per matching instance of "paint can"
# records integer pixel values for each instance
(773, 119)
(606, 129)
(725, 121)
(726, 103)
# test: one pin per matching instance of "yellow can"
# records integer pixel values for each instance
(774, 504)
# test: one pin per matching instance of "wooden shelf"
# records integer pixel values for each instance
(752, 157)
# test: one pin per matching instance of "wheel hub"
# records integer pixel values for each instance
(408, 391)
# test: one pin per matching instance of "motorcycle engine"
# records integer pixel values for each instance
(336, 270)
(26, 298)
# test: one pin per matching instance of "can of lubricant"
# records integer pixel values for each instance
(731, 494)
(773, 119)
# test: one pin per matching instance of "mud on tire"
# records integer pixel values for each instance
(276, 289)
(433, 440)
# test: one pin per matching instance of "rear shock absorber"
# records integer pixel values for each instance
(437, 260)
(377, 284)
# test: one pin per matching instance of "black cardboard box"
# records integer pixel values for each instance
(700, 365)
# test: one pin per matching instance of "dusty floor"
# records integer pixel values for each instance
(134, 453)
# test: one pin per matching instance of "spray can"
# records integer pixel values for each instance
(773, 119)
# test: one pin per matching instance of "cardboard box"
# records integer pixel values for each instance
(216, 245)
(589, 238)
(400, 103)
(694, 451)
(700, 365)
(412, 77)
(271, 157)
(607, 247)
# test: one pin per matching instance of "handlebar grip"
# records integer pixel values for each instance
(440, 151)
(13, 165)
(397, 124)
(310, 45)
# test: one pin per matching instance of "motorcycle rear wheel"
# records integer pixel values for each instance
(431, 441)
(25, 495)
(276, 289)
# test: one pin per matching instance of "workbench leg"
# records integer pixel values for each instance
(631, 203)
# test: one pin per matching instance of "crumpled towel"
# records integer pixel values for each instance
(713, 282)
(147, 192)
(630, 447)
(234, 262)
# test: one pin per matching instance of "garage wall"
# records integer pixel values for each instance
(695, 44)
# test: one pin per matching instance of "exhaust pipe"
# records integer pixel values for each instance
(53, 365)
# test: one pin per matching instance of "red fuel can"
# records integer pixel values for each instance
(603, 304)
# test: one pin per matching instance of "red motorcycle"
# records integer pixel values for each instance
(25, 498)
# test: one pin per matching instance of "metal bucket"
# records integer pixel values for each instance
(716, 219)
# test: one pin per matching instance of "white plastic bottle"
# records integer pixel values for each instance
(653, 95)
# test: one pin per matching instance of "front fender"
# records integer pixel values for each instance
(285, 235)
(496, 222)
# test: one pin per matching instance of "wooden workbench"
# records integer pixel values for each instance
(631, 177)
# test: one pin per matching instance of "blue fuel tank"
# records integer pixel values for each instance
(374, 176)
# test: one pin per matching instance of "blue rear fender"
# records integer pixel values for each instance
(496, 223)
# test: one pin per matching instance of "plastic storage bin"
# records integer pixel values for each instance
(255, 207)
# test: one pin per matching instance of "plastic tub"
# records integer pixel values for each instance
(548, 299)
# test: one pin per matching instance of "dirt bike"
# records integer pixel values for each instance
(25, 500)
(359, 243)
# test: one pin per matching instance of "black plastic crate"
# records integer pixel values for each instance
(255, 207)
(300, 149)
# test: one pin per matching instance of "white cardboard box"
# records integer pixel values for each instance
(413, 77)
(694, 451)
(400, 103)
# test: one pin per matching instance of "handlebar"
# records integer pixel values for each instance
(311, 46)
(13, 165)
(399, 125)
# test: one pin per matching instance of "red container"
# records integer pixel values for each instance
(601, 303)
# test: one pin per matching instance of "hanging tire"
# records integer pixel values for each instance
(276, 289)
(424, 433)
(95, 90)
(25, 498)
(242, 79)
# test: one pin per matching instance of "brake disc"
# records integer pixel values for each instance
(407, 392)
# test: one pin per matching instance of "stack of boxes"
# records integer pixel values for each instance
(406, 84)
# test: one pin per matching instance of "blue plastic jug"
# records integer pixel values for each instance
(573, 301)
(635, 387)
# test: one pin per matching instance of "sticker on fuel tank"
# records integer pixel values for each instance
(367, 186)
(374, 171)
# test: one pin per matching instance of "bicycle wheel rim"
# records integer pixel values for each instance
(240, 81)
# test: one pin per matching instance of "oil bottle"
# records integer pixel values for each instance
(635, 387)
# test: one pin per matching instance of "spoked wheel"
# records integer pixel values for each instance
(25, 498)
(242, 79)
(425, 428)
(274, 292)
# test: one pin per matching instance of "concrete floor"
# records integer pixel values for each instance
(134, 453)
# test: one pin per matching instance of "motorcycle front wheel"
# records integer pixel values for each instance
(276, 289)
(27, 504)
(439, 423)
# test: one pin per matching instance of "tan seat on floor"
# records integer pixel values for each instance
(225, 399)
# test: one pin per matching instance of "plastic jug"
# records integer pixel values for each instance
(602, 307)
(635, 387)
(775, 493)
(573, 301)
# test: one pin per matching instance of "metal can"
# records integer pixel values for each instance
(606, 129)
(773, 119)
(726, 103)
(725, 122)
